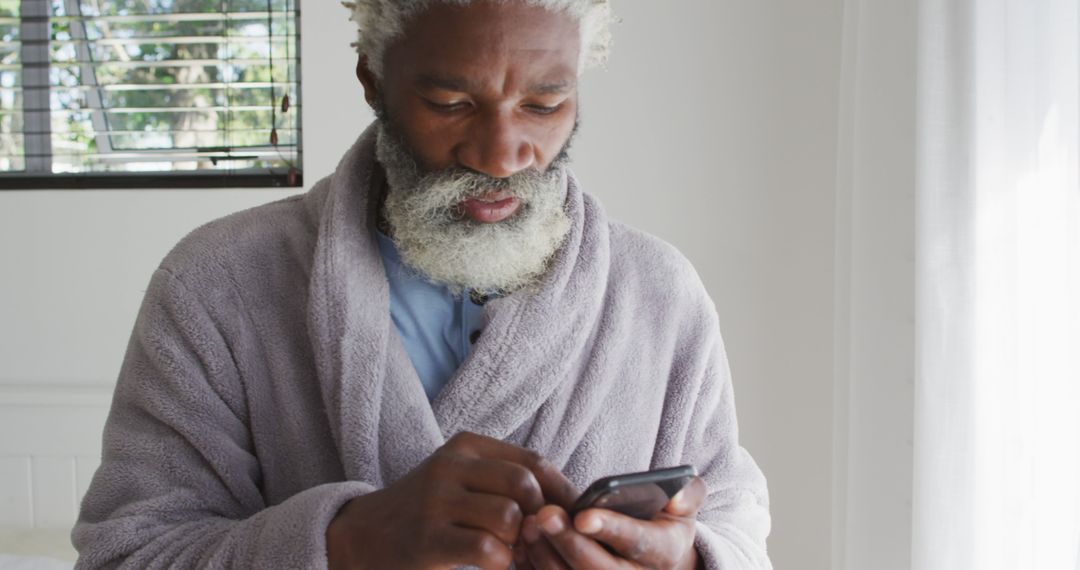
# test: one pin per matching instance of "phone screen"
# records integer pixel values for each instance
(639, 495)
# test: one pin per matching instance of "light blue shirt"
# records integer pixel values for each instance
(434, 325)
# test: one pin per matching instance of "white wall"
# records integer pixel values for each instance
(875, 288)
(715, 127)
(73, 269)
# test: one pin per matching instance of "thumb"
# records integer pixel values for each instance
(687, 501)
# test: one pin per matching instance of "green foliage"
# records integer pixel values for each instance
(182, 101)
(9, 8)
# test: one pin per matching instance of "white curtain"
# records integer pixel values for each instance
(997, 403)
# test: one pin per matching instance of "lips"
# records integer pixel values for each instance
(491, 208)
(493, 197)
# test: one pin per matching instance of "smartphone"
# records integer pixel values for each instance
(639, 495)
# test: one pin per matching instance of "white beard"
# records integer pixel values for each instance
(434, 239)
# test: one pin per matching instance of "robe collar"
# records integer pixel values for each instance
(532, 343)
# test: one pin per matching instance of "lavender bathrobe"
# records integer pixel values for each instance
(265, 385)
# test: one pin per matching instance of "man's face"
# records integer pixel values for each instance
(491, 87)
(477, 105)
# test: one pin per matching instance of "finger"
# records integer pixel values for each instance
(576, 549)
(543, 556)
(538, 551)
(469, 547)
(555, 486)
(530, 530)
(503, 478)
(656, 543)
(521, 556)
(496, 514)
(687, 501)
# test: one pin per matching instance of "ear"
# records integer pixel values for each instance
(368, 80)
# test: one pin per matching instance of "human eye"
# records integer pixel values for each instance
(543, 109)
(448, 107)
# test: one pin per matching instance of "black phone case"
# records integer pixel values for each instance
(639, 495)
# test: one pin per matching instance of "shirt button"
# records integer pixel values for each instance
(475, 336)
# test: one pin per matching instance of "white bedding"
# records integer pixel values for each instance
(13, 562)
(22, 549)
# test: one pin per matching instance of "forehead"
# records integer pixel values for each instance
(487, 41)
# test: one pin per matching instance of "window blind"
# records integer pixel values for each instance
(149, 89)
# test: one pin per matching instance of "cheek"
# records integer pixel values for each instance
(434, 148)
(553, 137)
(428, 136)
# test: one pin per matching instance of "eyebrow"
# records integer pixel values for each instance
(554, 88)
(461, 84)
(445, 83)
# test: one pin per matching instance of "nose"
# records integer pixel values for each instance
(496, 145)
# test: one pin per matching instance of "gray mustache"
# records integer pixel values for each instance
(471, 184)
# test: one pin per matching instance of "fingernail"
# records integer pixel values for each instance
(677, 501)
(591, 525)
(553, 525)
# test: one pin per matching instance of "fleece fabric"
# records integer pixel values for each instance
(264, 385)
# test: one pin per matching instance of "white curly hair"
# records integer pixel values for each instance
(381, 21)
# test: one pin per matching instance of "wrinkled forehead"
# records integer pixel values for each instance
(482, 40)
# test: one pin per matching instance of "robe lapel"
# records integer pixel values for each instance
(381, 421)
(534, 341)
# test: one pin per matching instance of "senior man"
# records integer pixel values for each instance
(421, 361)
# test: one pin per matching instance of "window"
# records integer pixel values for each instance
(149, 93)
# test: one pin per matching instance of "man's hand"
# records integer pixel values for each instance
(666, 542)
(463, 506)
